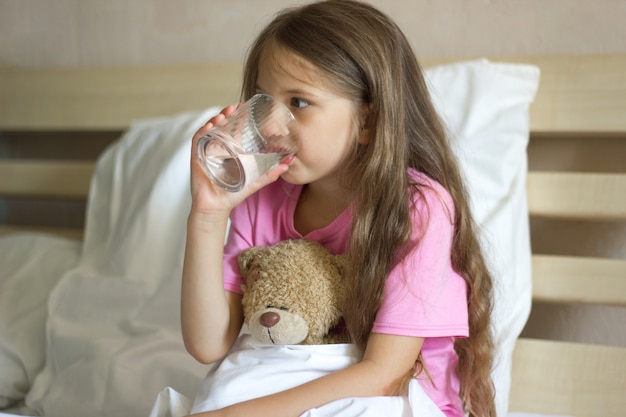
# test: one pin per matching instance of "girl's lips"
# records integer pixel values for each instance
(288, 159)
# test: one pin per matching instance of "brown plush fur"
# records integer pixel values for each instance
(297, 284)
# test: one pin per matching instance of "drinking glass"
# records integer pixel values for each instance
(259, 135)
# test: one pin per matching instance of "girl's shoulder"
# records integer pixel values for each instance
(430, 194)
(426, 185)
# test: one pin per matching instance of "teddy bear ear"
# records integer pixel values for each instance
(246, 257)
(248, 268)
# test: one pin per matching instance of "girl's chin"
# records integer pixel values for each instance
(291, 177)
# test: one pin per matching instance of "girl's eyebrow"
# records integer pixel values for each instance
(294, 91)
(300, 91)
(307, 93)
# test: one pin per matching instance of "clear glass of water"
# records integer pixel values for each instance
(259, 135)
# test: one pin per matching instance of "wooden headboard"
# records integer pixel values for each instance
(580, 111)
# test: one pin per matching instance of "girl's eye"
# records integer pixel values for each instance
(299, 103)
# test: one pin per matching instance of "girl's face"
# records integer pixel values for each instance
(326, 120)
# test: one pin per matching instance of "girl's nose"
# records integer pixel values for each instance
(275, 126)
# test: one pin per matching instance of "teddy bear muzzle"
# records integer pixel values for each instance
(278, 327)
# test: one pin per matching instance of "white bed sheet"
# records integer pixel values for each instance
(30, 267)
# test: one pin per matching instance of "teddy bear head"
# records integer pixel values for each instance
(292, 292)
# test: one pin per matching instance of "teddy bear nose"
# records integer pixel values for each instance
(269, 319)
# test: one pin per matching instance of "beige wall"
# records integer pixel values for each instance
(63, 33)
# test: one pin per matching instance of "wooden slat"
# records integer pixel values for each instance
(45, 178)
(569, 279)
(578, 93)
(577, 195)
(571, 379)
(110, 98)
(55, 231)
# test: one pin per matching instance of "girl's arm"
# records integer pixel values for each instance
(387, 358)
(211, 317)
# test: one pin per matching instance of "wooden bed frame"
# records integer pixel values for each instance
(581, 99)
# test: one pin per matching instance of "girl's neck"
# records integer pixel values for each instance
(318, 207)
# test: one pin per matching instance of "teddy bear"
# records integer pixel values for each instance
(293, 293)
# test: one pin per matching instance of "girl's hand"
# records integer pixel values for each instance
(208, 198)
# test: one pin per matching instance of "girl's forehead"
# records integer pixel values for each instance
(280, 64)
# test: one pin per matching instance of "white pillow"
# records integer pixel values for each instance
(485, 106)
(30, 266)
(114, 338)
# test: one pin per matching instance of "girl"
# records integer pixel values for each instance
(375, 179)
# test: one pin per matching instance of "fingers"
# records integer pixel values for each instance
(226, 112)
(267, 178)
(212, 122)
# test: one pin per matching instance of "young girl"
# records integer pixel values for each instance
(375, 179)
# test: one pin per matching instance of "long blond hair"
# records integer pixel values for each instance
(368, 58)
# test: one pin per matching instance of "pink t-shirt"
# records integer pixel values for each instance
(423, 295)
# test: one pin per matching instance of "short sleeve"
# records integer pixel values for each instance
(239, 238)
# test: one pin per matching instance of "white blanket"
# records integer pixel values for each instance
(254, 369)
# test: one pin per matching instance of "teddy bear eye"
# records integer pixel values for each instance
(283, 308)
